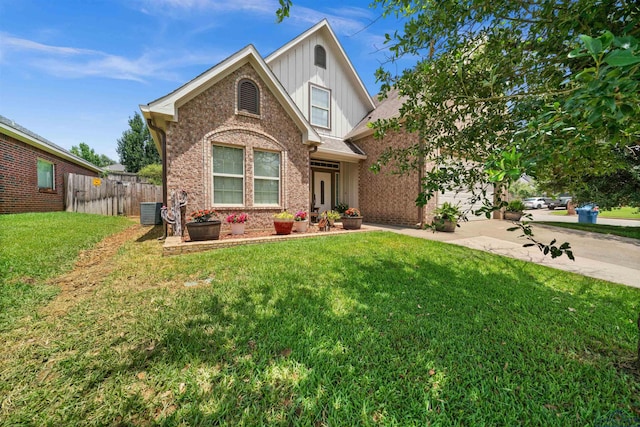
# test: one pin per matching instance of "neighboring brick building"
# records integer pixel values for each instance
(32, 170)
(288, 131)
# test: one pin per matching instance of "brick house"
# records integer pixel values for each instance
(32, 170)
(288, 131)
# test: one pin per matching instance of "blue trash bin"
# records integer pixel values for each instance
(587, 214)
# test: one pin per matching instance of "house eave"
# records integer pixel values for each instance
(63, 154)
(327, 154)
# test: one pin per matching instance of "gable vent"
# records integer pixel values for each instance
(248, 97)
(320, 56)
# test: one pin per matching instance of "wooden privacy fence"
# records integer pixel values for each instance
(102, 196)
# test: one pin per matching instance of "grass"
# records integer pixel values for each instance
(38, 246)
(615, 230)
(625, 212)
(359, 329)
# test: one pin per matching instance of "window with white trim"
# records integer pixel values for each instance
(228, 175)
(46, 175)
(320, 106)
(266, 178)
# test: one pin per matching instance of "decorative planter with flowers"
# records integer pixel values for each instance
(283, 222)
(351, 219)
(237, 220)
(300, 222)
(203, 225)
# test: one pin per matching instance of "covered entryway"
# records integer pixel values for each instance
(322, 191)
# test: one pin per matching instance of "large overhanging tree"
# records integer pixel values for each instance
(506, 87)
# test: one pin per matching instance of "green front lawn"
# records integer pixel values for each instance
(630, 232)
(358, 329)
(616, 213)
(37, 246)
(621, 213)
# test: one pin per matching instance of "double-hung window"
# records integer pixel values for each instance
(46, 174)
(320, 107)
(228, 175)
(266, 177)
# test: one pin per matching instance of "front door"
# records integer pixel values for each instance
(322, 193)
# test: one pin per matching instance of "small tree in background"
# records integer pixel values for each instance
(84, 151)
(152, 173)
(136, 148)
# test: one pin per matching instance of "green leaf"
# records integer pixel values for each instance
(594, 46)
(577, 53)
(621, 58)
(606, 38)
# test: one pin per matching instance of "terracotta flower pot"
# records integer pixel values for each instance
(208, 230)
(283, 226)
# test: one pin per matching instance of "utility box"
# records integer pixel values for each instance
(150, 213)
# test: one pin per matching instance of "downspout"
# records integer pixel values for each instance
(420, 177)
(163, 146)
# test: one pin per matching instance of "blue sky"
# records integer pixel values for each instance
(75, 70)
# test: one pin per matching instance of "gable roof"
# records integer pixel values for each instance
(14, 130)
(323, 26)
(167, 106)
(385, 109)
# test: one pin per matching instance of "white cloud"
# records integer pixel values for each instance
(71, 62)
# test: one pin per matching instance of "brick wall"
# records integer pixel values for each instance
(211, 118)
(19, 178)
(387, 198)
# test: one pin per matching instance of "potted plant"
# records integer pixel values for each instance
(237, 220)
(300, 222)
(203, 225)
(331, 216)
(514, 210)
(341, 207)
(283, 222)
(351, 219)
(445, 218)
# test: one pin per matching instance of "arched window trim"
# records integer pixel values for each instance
(248, 97)
(320, 56)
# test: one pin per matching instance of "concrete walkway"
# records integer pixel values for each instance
(612, 258)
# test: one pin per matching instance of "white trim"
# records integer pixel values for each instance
(267, 178)
(312, 106)
(227, 175)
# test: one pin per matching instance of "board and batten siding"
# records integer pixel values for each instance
(295, 69)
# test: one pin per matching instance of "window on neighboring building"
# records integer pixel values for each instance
(320, 107)
(320, 56)
(248, 97)
(46, 175)
(228, 175)
(266, 178)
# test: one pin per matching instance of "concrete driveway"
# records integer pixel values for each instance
(612, 258)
